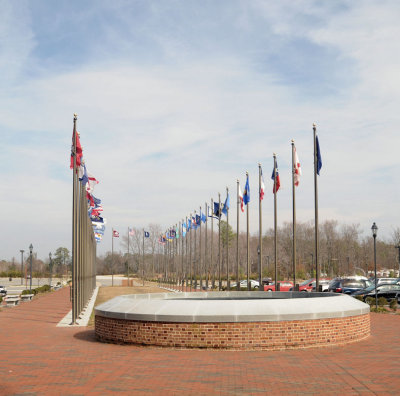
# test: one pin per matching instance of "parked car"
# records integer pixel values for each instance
(310, 284)
(348, 285)
(3, 291)
(283, 286)
(388, 290)
(386, 280)
(243, 284)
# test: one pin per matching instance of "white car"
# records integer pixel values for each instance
(3, 291)
(253, 284)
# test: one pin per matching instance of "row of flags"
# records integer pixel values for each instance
(89, 182)
(131, 232)
(193, 222)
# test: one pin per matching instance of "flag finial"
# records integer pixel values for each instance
(247, 173)
(274, 155)
(75, 116)
(314, 125)
(292, 141)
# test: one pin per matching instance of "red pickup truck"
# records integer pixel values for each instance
(283, 286)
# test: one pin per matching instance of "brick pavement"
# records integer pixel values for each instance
(38, 358)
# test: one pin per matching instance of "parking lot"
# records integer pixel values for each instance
(40, 358)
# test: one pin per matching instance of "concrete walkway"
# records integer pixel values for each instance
(39, 358)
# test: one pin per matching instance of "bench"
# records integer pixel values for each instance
(12, 300)
(26, 297)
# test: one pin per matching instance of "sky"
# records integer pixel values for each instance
(177, 99)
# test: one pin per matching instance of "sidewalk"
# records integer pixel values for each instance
(39, 358)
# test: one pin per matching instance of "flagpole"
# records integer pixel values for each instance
(143, 261)
(260, 227)
(275, 229)
(247, 230)
(128, 257)
(237, 235)
(190, 256)
(219, 242)
(74, 227)
(206, 273)
(228, 286)
(212, 267)
(182, 262)
(200, 261)
(186, 256)
(112, 256)
(294, 216)
(316, 209)
(195, 254)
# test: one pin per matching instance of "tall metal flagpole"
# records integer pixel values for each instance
(112, 256)
(294, 216)
(182, 263)
(316, 209)
(260, 227)
(247, 230)
(200, 256)
(190, 255)
(212, 267)
(143, 261)
(237, 235)
(206, 273)
(219, 241)
(195, 254)
(187, 256)
(128, 258)
(275, 228)
(228, 286)
(74, 227)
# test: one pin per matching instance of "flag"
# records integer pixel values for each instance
(246, 194)
(183, 229)
(189, 225)
(146, 234)
(115, 234)
(262, 187)
(203, 217)
(82, 173)
(162, 240)
(198, 220)
(297, 168)
(241, 199)
(91, 182)
(131, 232)
(319, 159)
(217, 210)
(177, 232)
(78, 151)
(278, 180)
(211, 213)
(226, 205)
(172, 233)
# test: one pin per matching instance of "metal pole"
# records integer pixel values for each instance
(212, 266)
(143, 261)
(200, 258)
(30, 257)
(219, 242)
(275, 227)
(376, 280)
(127, 259)
(22, 265)
(206, 267)
(294, 216)
(195, 254)
(237, 235)
(398, 247)
(228, 286)
(316, 209)
(247, 230)
(260, 226)
(112, 256)
(190, 253)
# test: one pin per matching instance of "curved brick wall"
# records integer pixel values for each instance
(237, 335)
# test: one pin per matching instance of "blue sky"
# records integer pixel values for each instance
(177, 99)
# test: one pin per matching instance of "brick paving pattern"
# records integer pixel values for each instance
(38, 358)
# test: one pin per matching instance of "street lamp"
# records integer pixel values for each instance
(374, 229)
(30, 257)
(22, 266)
(50, 269)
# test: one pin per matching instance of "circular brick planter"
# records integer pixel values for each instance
(233, 320)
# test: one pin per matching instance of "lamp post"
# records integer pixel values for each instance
(50, 269)
(30, 258)
(374, 229)
(22, 266)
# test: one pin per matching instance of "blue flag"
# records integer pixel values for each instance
(203, 217)
(217, 210)
(246, 193)
(319, 159)
(198, 220)
(226, 206)
(146, 234)
(183, 229)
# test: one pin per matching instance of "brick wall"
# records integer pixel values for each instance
(241, 336)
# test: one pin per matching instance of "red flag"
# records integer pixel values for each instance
(115, 234)
(78, 151)
(241, 199)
